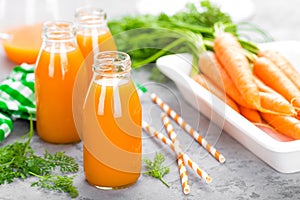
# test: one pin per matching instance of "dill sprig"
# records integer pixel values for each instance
(156, 169)
(18, 160)
(57, 183)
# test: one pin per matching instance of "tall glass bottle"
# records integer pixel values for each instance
(112, 130)
(93, 34)
(57, 65)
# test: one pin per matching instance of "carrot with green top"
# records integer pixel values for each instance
(207, 84)
(233, 58)
(282, 63)
(212, 68)
(272, 76)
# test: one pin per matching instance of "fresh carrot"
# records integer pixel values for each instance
(273, 133)
(207, 84)
(272, 76)
(212, 68)
(287, 125)
(263, 87)
(272, 100)
(282, 63)
(250, 114)
(276, 103)
(233, 58)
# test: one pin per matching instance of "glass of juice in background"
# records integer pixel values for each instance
(23, 20)
(57, 65)
(24, 43)
(112, 114)
(93, 34)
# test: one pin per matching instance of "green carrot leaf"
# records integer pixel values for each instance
(18, 160)
(156, 169)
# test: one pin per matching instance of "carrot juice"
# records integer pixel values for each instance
(93, 34)
(24, 44)
(112, 130)
(87, 42)
(56, 69)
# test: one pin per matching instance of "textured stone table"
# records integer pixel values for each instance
(242, 176)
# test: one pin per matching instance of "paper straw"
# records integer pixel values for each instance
(170, 129)
(165, 107)
(183, 176)
(202, 174)
(196, 168)
(180, 162)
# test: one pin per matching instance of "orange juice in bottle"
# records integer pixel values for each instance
(56, 69)
(112, 130)
(93, 34)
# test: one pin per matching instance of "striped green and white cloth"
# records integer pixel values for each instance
(17, 100)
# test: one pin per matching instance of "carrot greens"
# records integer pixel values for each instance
(147, 37)
(155, 168)
(18, 160)
(151, 36)
(57, 182)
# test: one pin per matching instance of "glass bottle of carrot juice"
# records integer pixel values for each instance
(112, 130)
(57, 65)
(93, 34)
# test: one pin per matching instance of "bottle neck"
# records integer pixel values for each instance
(90, 17)
(58, 31)
(112, 64)
(58, 37)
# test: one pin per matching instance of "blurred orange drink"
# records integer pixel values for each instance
(24, 43)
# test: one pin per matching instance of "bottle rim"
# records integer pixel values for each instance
(111, 63)
(88, 16)
(58, 30)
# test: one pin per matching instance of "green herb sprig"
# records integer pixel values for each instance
(18, 160)
(57, 182)
(155, 168)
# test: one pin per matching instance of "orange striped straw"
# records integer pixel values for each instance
(181, 167)
(165, 107)
(183, 176)
(202, 174)
(170, 129)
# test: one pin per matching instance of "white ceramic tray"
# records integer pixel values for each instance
(282, 156)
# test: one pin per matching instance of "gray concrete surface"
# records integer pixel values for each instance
(243, 176)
